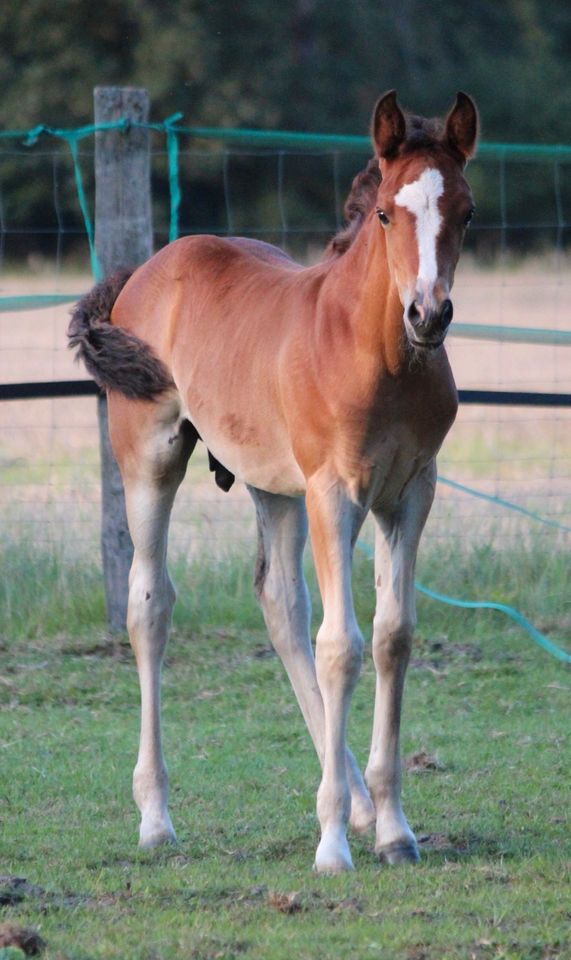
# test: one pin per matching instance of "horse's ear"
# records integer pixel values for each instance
(388, 126)
(462, 126)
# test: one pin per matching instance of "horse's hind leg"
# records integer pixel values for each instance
(152, 445)
(397, 538)
(283, 596)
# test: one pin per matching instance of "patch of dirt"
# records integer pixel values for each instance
(493, 874)
(450, 844)
(282, 849)
(286, 902)
(239, 855)
(422, 762)
(420, 912)
(467, 844)
(15, 889)
(436, 655)
(252, 896)
(296, 902)
(216, 951)
(418, 663)
(349, 903)
(264, 652)
(181, 859)
(483, 944)
(209, 694)
(115, 647)
(436, 841)
(553, 951)
(419, 952)
(25, 938)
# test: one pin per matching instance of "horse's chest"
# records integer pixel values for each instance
(380, 456)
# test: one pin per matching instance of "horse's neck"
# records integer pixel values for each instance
(360, 288)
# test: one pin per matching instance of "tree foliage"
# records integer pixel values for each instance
(308, 64)
(315, 65)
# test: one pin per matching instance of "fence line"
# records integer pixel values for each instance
(469, 331)
(283, 140)
(42, 389)
(271, 138)
(277, 139)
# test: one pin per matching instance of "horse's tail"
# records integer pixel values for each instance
(116, 359)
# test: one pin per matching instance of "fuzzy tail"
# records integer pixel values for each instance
(116, 359)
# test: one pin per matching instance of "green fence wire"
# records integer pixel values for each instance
(33, 301)
(282, 140)
(539, 638)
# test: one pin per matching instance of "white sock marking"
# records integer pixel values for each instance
(421, 199)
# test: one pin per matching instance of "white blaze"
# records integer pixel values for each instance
(421, 199)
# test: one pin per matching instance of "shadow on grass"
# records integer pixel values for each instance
(438, 848)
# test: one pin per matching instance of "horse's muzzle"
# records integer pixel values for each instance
(426, 328)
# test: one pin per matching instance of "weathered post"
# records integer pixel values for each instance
(123, 238)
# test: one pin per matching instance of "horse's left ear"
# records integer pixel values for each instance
(462, 126)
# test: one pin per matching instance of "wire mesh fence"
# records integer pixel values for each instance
(514, 273)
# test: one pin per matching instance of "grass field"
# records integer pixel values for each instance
(487, 711)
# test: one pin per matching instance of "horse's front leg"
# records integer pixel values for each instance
(334, 522)
(397, 537)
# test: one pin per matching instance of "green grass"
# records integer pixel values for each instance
(494, 881)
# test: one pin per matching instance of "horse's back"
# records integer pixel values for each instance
(197, 278)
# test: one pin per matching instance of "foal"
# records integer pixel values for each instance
(325, 389)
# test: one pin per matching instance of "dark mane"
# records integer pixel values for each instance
(357, 205)
(421, 134)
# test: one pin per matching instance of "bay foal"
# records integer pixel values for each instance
(328, 392)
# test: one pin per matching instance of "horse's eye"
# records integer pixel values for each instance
(383, 217)
(468, 217)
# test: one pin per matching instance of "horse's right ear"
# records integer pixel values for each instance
(388, 126)
(462, 126)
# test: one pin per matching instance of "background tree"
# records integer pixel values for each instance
(312, 65)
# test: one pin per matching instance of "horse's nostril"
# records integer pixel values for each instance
(415, 313)
(446, 314)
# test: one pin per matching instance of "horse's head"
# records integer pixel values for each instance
(424, 205)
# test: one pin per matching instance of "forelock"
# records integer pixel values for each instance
(423, 134)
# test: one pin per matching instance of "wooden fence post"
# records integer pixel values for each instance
(123, 238)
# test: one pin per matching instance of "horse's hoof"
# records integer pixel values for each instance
(157, 840)
(332, 858)
(332, 866)
(156, 833)
(397, 852)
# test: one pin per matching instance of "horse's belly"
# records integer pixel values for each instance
(257, 455)
(275, 474)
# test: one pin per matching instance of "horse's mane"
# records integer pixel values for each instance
(357, 205)
(421, 134)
